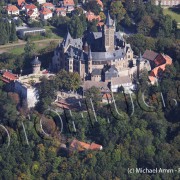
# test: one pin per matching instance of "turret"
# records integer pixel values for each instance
(109, 31)
(71, 55)
(36, 65)
(89, 61)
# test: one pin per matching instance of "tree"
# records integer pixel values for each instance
(94, 7)
(145, 25)
(13, 36)
(29, 49)
(76, 27)
(4, 38)
(117, 10)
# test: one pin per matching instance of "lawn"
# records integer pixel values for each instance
(17, 50)
(172, 13)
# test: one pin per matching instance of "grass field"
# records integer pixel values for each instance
(173, 14)
(19, 49)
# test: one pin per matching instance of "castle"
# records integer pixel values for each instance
(93, 52)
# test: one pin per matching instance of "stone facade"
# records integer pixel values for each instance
(94, 50)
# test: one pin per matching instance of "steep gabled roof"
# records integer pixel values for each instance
(11, 8)
(109, 21)
(150, 55)
(30, 6)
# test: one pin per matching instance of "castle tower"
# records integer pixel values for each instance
(36, 65)
(71, 60)
(89, 61)
(138, 65)
(109, 30)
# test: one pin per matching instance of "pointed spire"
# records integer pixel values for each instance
(109, 21)
(67, 39)
(89, 54)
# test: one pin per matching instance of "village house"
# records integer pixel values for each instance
(60, 11)
(82, 146)
(158, 64)
(48, 6)
(12, 10)
(167, 2)
(69, 5)
(45, 14)
(41, 1)
(21, 2)
(32, 14)
(29, 7)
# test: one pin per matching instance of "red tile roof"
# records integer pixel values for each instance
(150, 55)
(100, 3)
(45, 11)
(11, 8)
(7, 76)
(30, 6)
(20, 2)
(47, 5)
(156, 70)
(82, 146)
(68, 2)
(60, 9)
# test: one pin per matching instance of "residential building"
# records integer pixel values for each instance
(8, 77)
(61, 11)
(41, 1)
(48, 5)
(21, 2)
(12, 10)
(82, 146)
(29, 7)
(46, 13)
(30, 31)
(32, 14)
(158, 64)
(69, 5)
(167, 2)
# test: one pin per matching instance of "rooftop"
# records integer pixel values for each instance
(150, 55)
(11, 8)
(30, 6)
(121, 80)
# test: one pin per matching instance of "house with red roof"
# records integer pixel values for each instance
(41, 1)
(12, 10)
(32, 14)
(60, 11)
(8, 77)
(31, 11)
(48, 5)
(29, 7)
(46, 13)
(82, 146)
(21, 2)
(69, 4)
(158, 64)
